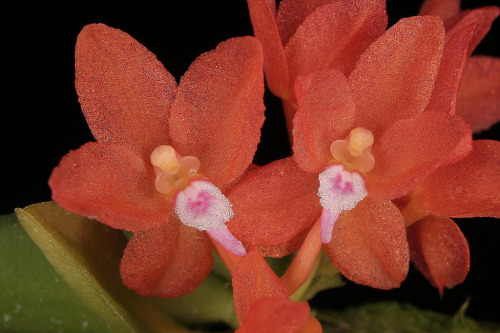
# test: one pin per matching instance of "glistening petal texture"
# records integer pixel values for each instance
(147, 256)
(335, 35)
(478, 99)
(275, 315)
(111, 183)
(253, 279)
(369, 245)
(467, 188)
(274, 204)
(167, 263)
(444, 95)
(291, 13)
(446, 9)
(218, 110)
(410, 149)
(325, 113)
(484, 16)
(124, 91)
(439, 250)
(394, 77)
(262, 15)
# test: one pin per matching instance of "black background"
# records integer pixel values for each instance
(41, 118)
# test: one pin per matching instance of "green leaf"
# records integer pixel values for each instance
(397, 317)
(33, 297)
(86, 255)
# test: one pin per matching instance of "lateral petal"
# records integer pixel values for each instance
(274, 204)
(325, 113)
(277, 315)
(484, 16)
(440, 251)
(467, 188)
(410, 149)
(369, 245)
(124, 91)
(478, 98)
(395, 76)
(253, 279)
(444, 94)
(262, 15)
(112, 183)
(167, 262)
(219, 109)
(334, 36)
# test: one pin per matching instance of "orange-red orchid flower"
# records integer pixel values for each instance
(369, 140)
(302, 36)
(164, 153)
(261, 301)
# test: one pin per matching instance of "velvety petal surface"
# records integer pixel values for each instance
(478, 99)
(253, 279)
(410, 149)
(446, 9)
(111, 183)
(219, 109)
(276, 315)
(263, 17)
(124, 91)
(369, 245)
(167, 262)
(325, 113)
(484, 16)
(467, 188)
(291, 13)
(273, 204)
(444, 95)
(335, 35)
(395, 76)
(439, 250)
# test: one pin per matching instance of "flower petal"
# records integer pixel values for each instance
(369, 245)
(167, 262)
(219, 109)
(325, 113)
(478, 99)
(277, 315)
(262, 15)
(124, 91)
(334, 36)
(273, 204)
(253, 279)
(291, 14)
(394, 77)
(446, 9)
(439, 250)
(111, 183)
(467, 188)
(410, 149)
(484, 16)
(444, 94)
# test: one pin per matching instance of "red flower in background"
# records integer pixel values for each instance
(469, 187)
(138, 177)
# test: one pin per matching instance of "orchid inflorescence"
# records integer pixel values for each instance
(380, 122)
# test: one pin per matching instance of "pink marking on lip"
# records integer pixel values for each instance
(338, 186)
(328, 218)
(200, 205)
